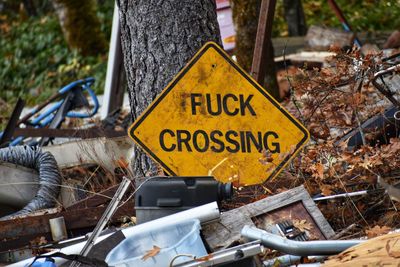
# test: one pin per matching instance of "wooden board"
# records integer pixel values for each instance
(223, 233)
(379, 251)
(107, 152)
(14, 233)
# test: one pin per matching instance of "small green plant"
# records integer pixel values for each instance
(35, 61)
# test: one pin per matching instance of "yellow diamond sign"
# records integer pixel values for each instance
(214, 119)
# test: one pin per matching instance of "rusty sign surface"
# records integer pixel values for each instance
(214, 119)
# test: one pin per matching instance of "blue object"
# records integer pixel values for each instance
(46, 117)
(49, 262)
(167, 241)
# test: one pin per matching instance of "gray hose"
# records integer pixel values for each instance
(299, 248)
(49, 175)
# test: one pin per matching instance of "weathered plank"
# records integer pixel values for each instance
(35, 226)
(379, 251)
(106, 152)
(223, 233)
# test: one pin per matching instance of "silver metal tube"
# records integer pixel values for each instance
(289, 260)
(206, 213)
(299, 248)
(351, 194)
(108, 213)
(58, 229)
(226, 256)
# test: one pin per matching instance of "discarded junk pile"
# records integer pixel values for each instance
(171, 231)
(179, 224)
(175, 221)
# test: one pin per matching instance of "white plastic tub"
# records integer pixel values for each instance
(172, 239)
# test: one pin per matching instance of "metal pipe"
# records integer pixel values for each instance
(289, 260)
(111, 208)
(225, 256)
(351, 194)
(387, 93)
(346, 26)
(299, 248)
(205, 213)
(58, 229)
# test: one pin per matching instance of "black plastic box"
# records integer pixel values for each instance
(162, 196)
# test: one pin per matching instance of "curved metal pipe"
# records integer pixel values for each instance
(299, 248)
(387, 93)
(290, 260)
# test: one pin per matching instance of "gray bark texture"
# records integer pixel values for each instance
(158, 38)
(294, 16)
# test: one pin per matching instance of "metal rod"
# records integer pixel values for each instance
(226, 256)
(299, 248)
(387, 93)
(104, 219)
(288, 260)
(351, 194)
(338, 12)
(39, 108)
(12, 123)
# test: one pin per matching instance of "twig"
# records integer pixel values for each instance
(343, 232)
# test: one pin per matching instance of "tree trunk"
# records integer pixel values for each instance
(80, 26)
(158, 38)
(294, 16)
(245, 18)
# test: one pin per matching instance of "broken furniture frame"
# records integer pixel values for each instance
(227, 231)
(54, 113)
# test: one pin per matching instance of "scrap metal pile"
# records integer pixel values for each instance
(237, 193)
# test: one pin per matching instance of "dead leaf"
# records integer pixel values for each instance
(326, 190)
(377, 231)
(318, 170)
(394, 254)
(151, 253)
(302, 225)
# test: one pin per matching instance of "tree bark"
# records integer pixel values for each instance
(294, 16)
(80, 26)
(158, 38)
(245, 18)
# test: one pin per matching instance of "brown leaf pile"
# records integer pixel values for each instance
(331, 102)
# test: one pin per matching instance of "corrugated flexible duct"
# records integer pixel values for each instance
(49, 175)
